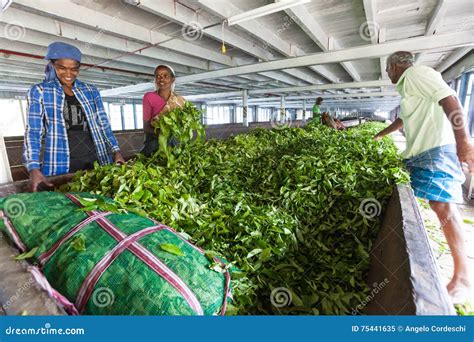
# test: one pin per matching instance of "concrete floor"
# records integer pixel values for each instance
(437, 240)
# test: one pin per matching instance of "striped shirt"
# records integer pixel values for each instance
(45, 120)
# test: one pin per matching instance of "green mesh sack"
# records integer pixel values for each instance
(108, 263)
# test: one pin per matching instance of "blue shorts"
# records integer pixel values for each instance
(436, 175)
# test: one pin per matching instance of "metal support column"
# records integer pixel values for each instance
(304, 111)
(245, 99)
(282, 110)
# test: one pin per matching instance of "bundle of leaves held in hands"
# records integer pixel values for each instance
(284, 206)
(178, 125)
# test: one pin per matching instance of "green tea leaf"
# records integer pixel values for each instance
(26, 255)
(254, 252)
(79, 243)
(172, 248)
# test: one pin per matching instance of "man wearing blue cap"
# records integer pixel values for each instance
(70, 116)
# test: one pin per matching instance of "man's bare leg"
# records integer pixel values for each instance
(460, 287)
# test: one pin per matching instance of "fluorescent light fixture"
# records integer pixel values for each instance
(264, 10)
(132, 2)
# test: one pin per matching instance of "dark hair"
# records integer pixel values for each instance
(164, 66)
(319, 100)
(55, 60)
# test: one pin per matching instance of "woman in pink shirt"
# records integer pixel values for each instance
(156, 103)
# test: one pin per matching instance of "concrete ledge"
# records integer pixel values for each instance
(19, 292)
(23, 186)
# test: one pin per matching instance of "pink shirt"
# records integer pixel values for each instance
(152, 105)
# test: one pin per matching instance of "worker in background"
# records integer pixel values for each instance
(326, 119)
(70, 116)
(317, 110)
(436, 144)
(339, 125)
(156, 103)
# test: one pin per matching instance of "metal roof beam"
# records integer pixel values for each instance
(365, 84)
(182, 15)
(435, 22)
(449, 40)
(118, 26)
(311, 27)
(41, 51)
(270, 39)
(453, 58)
(378, 95)
(436, 19)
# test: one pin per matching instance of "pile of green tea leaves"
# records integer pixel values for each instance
(178, 125)
(282, 205)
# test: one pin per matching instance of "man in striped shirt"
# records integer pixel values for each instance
(70, 116)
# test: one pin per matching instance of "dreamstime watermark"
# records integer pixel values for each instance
(14, 207)
(192, 31)
(376, 288)
(370, 208)
(369, 29)
(101, 32)
(14, 31)
(280, 297)
(280, 120)
(457, 119)
(103, 297)
(18, 293)
(287, 22)
(46, 330)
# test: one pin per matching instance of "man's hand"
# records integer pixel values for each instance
(466, 154)
(395, 126)
(36, 178)
(118, 159)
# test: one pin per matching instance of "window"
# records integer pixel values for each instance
(220, 115)
(299, 114)
(239, 117)
(457, 85)
(212, 115)
(250, 114)
(226, 118)
(128, 116)
(382, 114)
(115, 115)
(139, 114)
(263, 114)
(11, 123)
(467, 100)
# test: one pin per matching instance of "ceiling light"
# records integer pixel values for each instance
(264, 10)
(132, 2)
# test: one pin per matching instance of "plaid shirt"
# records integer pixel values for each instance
(45, 120)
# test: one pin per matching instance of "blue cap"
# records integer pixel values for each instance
(59, 50)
